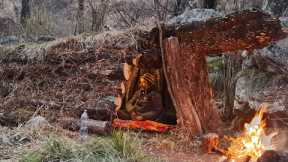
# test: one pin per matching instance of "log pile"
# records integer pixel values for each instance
(142, 96)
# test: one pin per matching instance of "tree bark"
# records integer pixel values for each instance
(25, 12)
(248, 29)
(189, 87)
(232, 65)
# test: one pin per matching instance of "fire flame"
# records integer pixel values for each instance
(253, 142)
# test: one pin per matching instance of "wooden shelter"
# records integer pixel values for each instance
(171, 63)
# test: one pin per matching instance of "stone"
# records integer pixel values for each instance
(37, 122)
(9, 40)
(263, 79)
(194, 15)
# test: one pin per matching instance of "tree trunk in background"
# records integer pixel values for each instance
(206, 3)
(25, 12)
(80, 17)
(2, 4)
(160, 9)
(232, 65)
(180, 6)
(98, 15)
(209, 3)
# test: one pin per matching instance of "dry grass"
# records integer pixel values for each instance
(120, 147)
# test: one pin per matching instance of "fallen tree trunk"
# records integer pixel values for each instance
(248, 29)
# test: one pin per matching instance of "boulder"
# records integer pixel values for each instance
(37, 122)
(284, 21)
(194, 15)
(263, 79)
(8, 40)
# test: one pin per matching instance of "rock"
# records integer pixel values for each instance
(284, 21)
(263, 79)
(37, 122)
(5, 89)
(273, 156)
(272, 59)
(193, 15)
(9, 40)
(9, 119)
(276, 7)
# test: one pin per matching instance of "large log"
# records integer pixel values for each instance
(185, 65)
(94, 126)
(248, 29)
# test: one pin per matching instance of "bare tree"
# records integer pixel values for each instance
(180, 6)
(2, 4)
(206, 3)
(210, 4)
(160, 9)
(232, 65)
(98, 12)
(131, 13)
(80, 20)
(25, 12)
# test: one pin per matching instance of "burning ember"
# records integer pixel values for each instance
(253, 141)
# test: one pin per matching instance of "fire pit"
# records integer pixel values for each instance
(253, 144)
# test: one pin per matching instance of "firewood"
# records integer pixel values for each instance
(147, 125)
(210, 142)
(123, 88)
(94, 126)
(118, 103)
(127, 71)
(136, 60)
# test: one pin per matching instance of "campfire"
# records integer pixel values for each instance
(253, 142)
